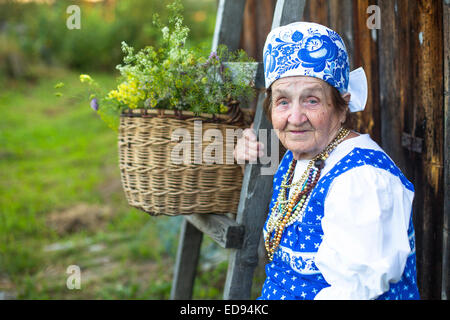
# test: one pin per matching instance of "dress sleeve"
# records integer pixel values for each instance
(365, 244)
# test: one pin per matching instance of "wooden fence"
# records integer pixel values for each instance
(407, 63)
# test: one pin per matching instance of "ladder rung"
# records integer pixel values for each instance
(225, 231)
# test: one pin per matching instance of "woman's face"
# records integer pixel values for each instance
(303, 115)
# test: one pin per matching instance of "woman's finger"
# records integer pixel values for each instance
(249, 134)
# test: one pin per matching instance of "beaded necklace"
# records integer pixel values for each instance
(288, 210)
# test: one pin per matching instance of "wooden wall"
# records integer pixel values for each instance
(446, 228)
(404, 62)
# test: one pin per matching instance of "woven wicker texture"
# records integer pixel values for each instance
(158, 180)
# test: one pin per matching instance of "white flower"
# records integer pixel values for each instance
(165, 32)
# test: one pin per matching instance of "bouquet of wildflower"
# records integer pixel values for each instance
(174, 77)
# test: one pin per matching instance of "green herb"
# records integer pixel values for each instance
(175, 77)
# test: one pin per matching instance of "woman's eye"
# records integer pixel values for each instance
(312, 101)
(282, 103)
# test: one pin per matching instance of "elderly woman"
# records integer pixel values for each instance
(339, 224)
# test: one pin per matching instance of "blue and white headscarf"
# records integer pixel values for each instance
(311, 49)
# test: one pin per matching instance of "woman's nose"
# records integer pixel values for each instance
(297, 115)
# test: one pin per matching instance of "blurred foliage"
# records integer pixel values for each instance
(55, 155)
(37, 32)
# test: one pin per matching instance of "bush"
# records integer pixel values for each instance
(41, 34)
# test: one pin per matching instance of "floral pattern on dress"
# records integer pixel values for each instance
(293, 274)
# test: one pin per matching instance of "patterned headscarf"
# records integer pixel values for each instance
(310, 49)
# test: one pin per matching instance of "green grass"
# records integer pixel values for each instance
(55, 154)
(61, 204)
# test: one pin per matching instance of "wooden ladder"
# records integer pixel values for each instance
(241, 236)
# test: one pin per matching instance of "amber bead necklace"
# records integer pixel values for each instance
(287, 210)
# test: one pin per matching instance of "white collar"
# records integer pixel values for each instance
(362, 141)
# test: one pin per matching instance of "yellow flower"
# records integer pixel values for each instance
(128, 93)
(223, 108)
(166, 64)
(190, 60)
(86, 78)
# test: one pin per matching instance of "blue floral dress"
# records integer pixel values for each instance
(355, 267)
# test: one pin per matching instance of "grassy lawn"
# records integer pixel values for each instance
(61, 204)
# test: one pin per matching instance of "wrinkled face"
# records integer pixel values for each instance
(303, 115)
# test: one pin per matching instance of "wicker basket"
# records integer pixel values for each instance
(152, 182)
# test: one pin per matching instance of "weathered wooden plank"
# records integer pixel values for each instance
(252, 210)
(287, 11)
(344, 24)
(256, 187)
(256, 25)
(391, 81)
(364, 54)
(228, 24)
(186, 262)
(259, 77)
(410, 70)
(428, 113)
(225, 231)
(318, 11)
(446, 225)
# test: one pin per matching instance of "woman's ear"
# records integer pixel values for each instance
(346, 96)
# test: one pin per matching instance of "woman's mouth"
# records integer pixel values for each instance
(298, 132)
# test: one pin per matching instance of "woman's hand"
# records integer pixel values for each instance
(247, 147)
